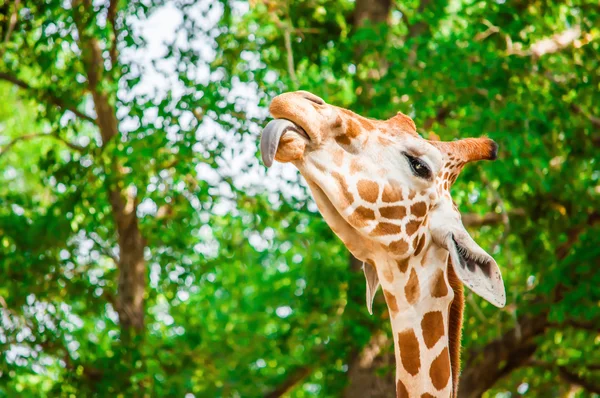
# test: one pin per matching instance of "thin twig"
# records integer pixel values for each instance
(28, 137)
(106, 251)
(11, 26)
(290, 55)
(53, 99)
(287, 37)
(581, 325)
(476, 220)
(567, 375)
(503, 212)
(476, 308)
(488, 32)
(594, 119)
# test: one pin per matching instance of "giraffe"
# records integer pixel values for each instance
(385, 192)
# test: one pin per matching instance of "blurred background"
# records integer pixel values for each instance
(145, 250)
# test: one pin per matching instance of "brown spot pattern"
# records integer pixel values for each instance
(432, 326)
(388, 274)
(390, 299)
(409, 351)
(385, 228)
(427, 395)
(411, 195)
(366, 124)
(343, 187)
(353, 129)
(320, 167)
(338, 157)
(425, 257)
(355, 167)
(399, 247)
(440, 370)
(411, 290)
(439, 287)
(338, 122)
(401, 391)
(361, 216)
(393, 212)
(418, 209)
(402, 264)
(420, 245)
(383, 141)
(412, 227)
(342, 140)
(368, 190)
(391, 194)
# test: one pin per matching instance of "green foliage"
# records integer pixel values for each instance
(247, 286)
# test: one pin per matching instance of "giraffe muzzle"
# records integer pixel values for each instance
(474, 266)
(272, 135)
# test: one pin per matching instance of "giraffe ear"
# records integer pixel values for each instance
(372, 284)
(475, 268)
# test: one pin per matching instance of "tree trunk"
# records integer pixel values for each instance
(375, 11)
(364, 382)
(123, 201)
(500, 357)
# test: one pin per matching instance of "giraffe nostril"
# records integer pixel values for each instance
(313, 98)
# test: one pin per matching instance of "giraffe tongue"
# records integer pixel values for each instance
(269, 141)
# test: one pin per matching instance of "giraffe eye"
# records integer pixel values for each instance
(418, 167)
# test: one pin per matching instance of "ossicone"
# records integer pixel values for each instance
(468, 149)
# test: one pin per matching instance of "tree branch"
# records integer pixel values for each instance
(573, 235)
(576, 379)
(549, 45)
(572, 323)
(106, 251)
(364, 380)
(112, 18)
(290, 55)
(287, 37)
(568, 376)
(440, 117)
(420, 27)
(500, 357)
(594, 119)
(28, 137)
(488, 32)
(297, 376)
(517, 345)
(11, 26)
(476, 220)
(50, 97)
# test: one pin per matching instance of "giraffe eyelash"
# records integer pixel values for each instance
(469, 255)
(419, 167)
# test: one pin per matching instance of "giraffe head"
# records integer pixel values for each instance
(383, 189)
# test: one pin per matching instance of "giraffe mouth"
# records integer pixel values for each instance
(472, 261)
(272, 134)
(476, 269)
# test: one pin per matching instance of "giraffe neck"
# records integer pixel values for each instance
(419, 298)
